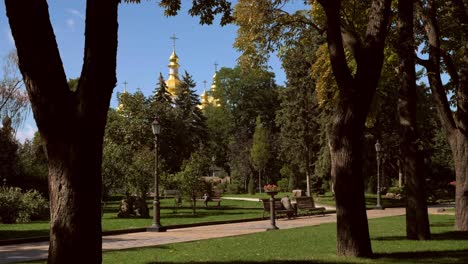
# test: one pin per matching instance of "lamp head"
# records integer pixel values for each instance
(156, 126)
(378, 147)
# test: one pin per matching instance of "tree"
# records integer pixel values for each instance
(190, 178)
(298, 117)
(260, 152)
(32, 165)
(444, 38)
(417, 219)
(8, 155)
(72, 122)
(243, 96)
(13, 99)
(347, 125)
(191, 131)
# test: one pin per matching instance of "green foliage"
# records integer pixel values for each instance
(8, 153)
(10, 204)
(16, 206)
(190, 121)
(35, 207)
(32, 166)
(260, 152)
(283, 184)
(243, 95)
(190, 181)
(264, 27)
(233, 188)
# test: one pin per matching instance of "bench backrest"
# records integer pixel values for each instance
(171, 193)
(305, 202)
(266, 204)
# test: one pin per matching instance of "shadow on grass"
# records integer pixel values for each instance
(199, 214)
(448, 256)
(251, 262)
(385, 202)
(451, 235)
(14, 234)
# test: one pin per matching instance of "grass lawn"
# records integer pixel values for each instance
(229, 210)
(311, 245)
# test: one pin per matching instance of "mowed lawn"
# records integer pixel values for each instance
(316, 244)
(229, 210)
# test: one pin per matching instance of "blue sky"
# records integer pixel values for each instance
(144, 45)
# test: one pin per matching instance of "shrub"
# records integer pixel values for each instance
(395, 190)
(283, 184)
(233, 188)
(10, 204)
(35, 207)
(16, 206)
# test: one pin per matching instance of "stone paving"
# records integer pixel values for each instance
(35, 251)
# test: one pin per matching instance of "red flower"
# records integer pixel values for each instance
(271, 188)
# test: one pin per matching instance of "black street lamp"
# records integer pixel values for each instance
(378, 150)
(156, 227)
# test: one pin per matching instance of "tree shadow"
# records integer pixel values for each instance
(447, 256)
(6, 235)
(250, 262)
(450, 235)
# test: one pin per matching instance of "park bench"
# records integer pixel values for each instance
(171, 193)
(279, 208)
(216, 198)
(307, 204)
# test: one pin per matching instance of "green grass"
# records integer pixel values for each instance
(371, 200)
(314, 244)
(229, 210)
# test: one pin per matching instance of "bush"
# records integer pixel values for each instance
(283, 184)
(233, 188)
(395, 190)
(35, 207)
(16, 206)
(10, 204)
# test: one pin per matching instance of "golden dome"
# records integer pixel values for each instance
(173, 81)
(205, 100)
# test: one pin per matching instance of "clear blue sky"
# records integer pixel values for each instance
(144, 45)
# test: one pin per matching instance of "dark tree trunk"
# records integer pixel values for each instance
(71, 123)
(417, 219)
(346, 130)
(346, 163)
(455, 126)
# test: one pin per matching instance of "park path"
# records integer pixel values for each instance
(38, 250)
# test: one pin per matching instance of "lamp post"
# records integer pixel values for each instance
(378, 149)
(156, 227)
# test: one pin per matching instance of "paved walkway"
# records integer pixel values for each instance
(35, 251)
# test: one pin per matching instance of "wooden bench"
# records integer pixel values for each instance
(279, 208)
(171, 193)
(307, 204)
(216, 198)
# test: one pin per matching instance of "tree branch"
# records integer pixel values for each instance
(39, 61)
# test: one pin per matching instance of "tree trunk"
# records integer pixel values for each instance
(346, 153)
(459, 146)
(417, 219)
(71, 123)
(346, 131)
(454, 125)
(259, 181)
